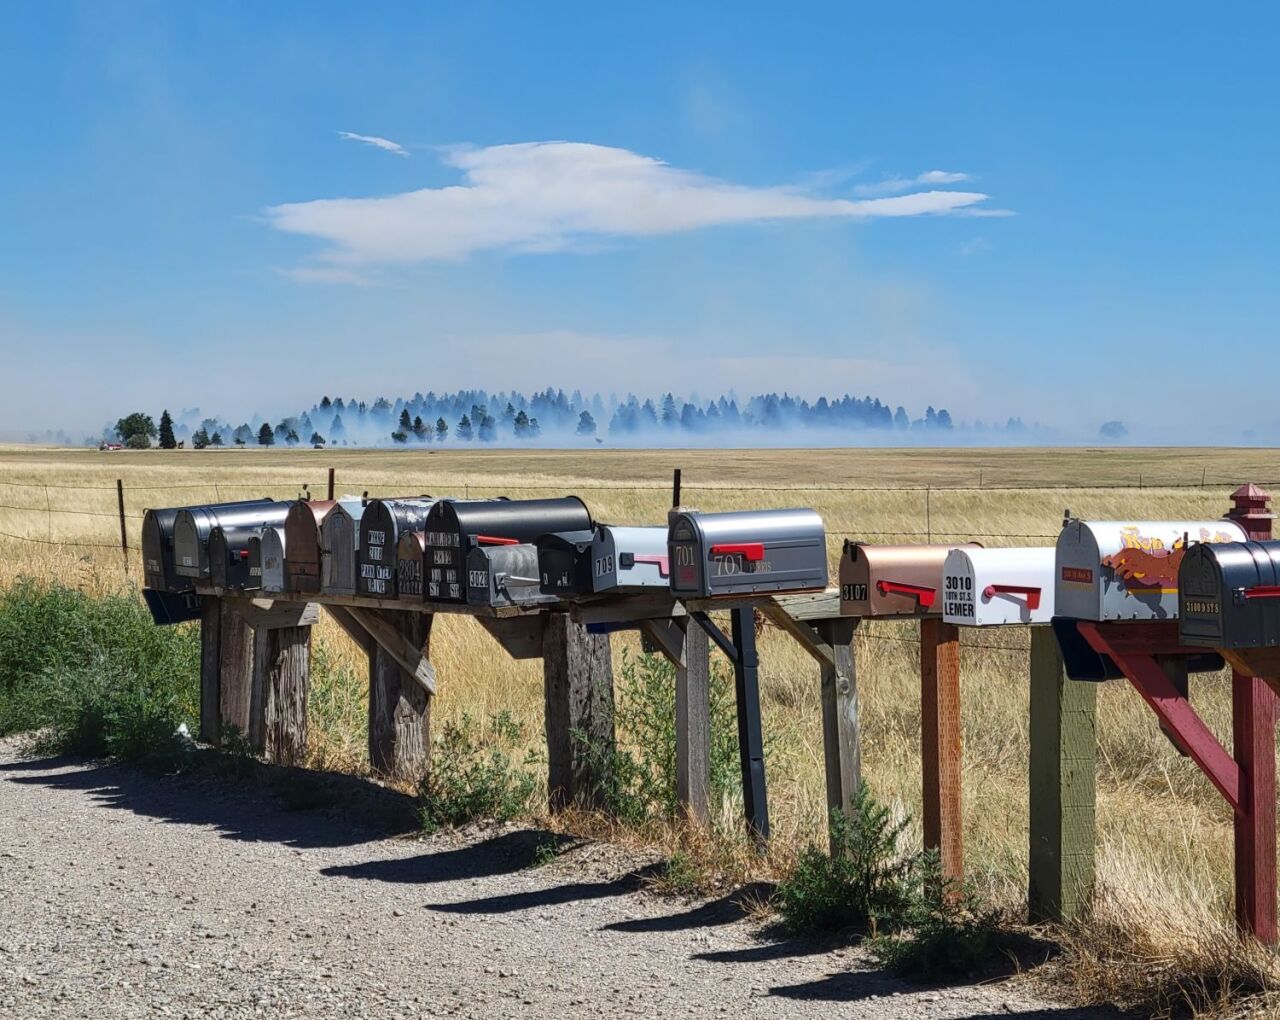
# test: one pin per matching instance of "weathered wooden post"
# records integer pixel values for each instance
(1253, 728)
(1064, 746)
(400, 706)
(281, 680)
(841, 739)
(578, 673)
(226, 670)
(941, 747)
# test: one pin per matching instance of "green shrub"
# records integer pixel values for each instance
(472, 776)
(864, 883)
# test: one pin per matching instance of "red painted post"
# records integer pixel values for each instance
(1253, 727)
(940, 747)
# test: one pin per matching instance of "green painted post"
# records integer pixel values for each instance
(1064, 747)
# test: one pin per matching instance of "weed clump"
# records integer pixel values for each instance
(472, 775)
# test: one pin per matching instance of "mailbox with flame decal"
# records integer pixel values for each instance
(270, 559)
(504, 575)
(302, 538)
(410, 551)
(384, 521)
(456, 526)
(1229, 596)
(746, 552)
(339, 538)
(1127, 570)
(610, 560)
(193, 526)
(893, 580)
(993, 587)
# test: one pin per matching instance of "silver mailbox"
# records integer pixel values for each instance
(271, 559)
(608, 560)
(193, 526)
(1127, 570)
(504, 575)
(746, 552)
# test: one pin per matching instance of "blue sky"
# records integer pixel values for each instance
(1062, 213)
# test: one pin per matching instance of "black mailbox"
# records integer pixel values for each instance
(230, 556)
(167, 607)
(159, 564)
(564, 563)
(504, 575)
(1229, 595)
(456, 526)
(194, 524)
(381, 525)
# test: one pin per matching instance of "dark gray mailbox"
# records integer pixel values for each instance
(229, 556)
(746, 552)
(384, 521)
(1229, 595)
(504, 575)
(193, 526)
(159, 564)
(456, 526)
(168, 607)
(608, 560)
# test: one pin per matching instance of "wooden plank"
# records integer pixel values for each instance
(1175, 668)
(1143, 637)
(235, 662)
(391, 640)
(397, 605)
(520, 637)
(841, 727)
(941, 754)
(352, 628)
(1261, 662)
(578, 673)
(1064, 746)
(264, 614)
(211, 671)
(399, 706)
(286, 678)
(1253, 723)
(820, 605)
(803, 633)
(626, 609)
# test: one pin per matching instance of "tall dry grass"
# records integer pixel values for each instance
(1164, 836)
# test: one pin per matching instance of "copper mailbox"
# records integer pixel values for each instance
(893, 580)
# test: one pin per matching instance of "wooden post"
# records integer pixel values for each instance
(941, 755)
(282, 673)
(124, 533)
(578, 677)
(399, 706)
(693, 722)
(330, 496)
(226, 670)
(841, 738)
(1062, 785)
(746, 671)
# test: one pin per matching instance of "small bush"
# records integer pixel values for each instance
(864, 883)
(472, 775)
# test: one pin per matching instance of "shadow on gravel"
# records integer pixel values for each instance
(241, 798)
(725, 910)
(573, 892)
(499, 855)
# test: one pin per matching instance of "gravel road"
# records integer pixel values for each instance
(266, 894)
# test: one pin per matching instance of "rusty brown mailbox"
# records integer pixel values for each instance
(302, 540)
(893, 580)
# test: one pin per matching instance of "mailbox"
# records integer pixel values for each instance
(1229, 595)
(456, 526)
(564, 564)
(271, 559)
(157, 552)
(193, 526)
(991, 587)
(609, 560)
(893, 580)
(746, 552)
(384, 521)
(302, 538)
(1127, 570)
(410, 551)
(168, 607)
(504, 575)
(339, 547)
(229, 556)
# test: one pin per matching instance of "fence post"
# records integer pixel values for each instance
(124, 534)
(331, 483)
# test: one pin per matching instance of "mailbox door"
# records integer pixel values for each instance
(255, 562)
(504, 575)
(273, 559)
(1230, 594)
(409, 553)
(219, 569)
(630, 558)
(1128, 570)
(302, 537)
(338, 538)
(168, 607)
(564, 563)
(157, 551)
(996, 587)
(190, 544)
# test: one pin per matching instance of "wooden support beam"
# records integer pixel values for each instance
(819, 605)
(578, 679)
(343, 618)
(391, 639)
(282, 675)
(1253, 723)
(265, 614)
(520, 636)
(399, 703)
(686, 645)
(235, 668)
(941, 754)
(1064, 747)
(805, 635)
(841, 728)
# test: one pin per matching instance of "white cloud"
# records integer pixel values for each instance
(896, 185)
(549, 196)
(378, 143)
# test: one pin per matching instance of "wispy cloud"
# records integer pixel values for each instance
(325, 274)
(551, 196)
(894, 185)
(386, 144)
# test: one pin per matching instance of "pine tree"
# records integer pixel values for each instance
(292, 438)
(167, 442)
(586, 424)
(215, 439)
(420, 429)
(521, 425)
(442, 430)
(406, 424)
(317, 440)
(265, 436)
(199, 439)
(464, 429)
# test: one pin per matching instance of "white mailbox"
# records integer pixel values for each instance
(993, 587)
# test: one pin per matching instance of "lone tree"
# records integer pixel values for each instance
(265, 436)
(442, 430)
(399, 437)
(1113, 430)
(167, 442)
(199, 438)
(317, 440)
(464, 429)
(586, 424)
(215, 439)
(136, 424)
(138, 441)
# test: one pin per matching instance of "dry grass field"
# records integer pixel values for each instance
(1164, 835)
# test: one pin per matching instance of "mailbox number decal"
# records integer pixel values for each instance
(686, 565)
(958, 596)
(854, 593)
(478, 578)
(1201, 607)
(441, 557)
(1077, 575)
(604, 565)
(735, 563)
